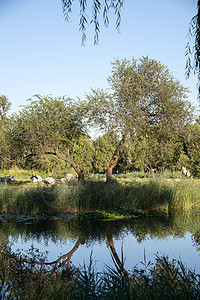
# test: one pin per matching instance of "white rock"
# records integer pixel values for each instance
(49, 180)
(71, 178)
(63, 180)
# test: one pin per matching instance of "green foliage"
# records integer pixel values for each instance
(104, 147)
(4, 147)
(20, 279)
(145, 94)
(83, 153)
(185, 195)
(162, 153)
(4, 107)
(132, 175)
(146, 104)
(117, 214)
(48, 126)
(49, 165)
(167, 280)
(47, 123)
(4, 130)
(183, 161)
(193, 149)
(146, 117)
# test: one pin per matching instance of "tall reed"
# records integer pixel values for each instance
(146, 194)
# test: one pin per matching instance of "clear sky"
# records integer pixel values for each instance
(40, 53)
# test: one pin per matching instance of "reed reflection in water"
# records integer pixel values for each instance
(175, 236)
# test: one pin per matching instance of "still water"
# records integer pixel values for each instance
(177, 236)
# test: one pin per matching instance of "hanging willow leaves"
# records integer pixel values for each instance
(193, 48)
(98, 9)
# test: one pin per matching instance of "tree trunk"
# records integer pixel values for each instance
(80, 172)
(67, 158)
(116, 257)
(66, 257)
(114, 157)
(62, 260)
(149, 167)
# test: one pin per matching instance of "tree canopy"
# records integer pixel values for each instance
(48, 126)
(144, 97)
(50, 134)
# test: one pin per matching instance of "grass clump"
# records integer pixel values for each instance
(186, 194)
(117, 214)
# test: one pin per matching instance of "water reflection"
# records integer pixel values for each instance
(176, 235)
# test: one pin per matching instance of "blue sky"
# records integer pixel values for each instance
(42, 54)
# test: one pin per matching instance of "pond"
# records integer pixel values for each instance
(140, 239)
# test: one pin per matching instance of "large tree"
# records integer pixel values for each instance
(144, 96)
(48, 126)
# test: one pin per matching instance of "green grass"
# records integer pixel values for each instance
(21, 175)
(25, 175)
(141, 174)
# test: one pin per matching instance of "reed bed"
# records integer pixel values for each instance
(147, 194)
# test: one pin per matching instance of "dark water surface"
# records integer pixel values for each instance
(177, 236)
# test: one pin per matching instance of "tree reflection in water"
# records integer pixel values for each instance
(88, 232)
